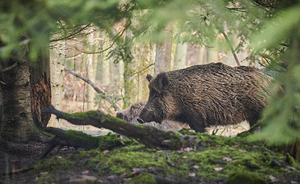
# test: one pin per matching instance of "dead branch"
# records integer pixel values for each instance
(71, 35)
(147, 135)
(9, 68)
(98, 90)
(231, 48)
(145, 68)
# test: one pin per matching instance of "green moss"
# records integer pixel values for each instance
(213, 158)
(80, 138)
(46, 177)
(111, 140)
(144, 178)
(82, 115)
(175, 142)
(110, 118)
(104, 142)
(53, 164)
(245, 177)
(124, 162)
(289, 159)
(139, 125)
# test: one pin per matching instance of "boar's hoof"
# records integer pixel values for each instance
(140, 121)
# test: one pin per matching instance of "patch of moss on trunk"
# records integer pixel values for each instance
(82, 115)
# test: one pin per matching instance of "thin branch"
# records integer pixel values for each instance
(95, 52)
(115, 38)
(237, 9)
(115, 106)
(9, 68)
(142, 69)
(231, 48)
(70, 35)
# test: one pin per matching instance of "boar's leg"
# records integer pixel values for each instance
(196, 124)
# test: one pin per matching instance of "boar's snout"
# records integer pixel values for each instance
(148, 116)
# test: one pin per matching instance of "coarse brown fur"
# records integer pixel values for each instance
(131, 112)
(207, 95)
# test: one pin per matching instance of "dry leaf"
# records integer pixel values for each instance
(227, 159)
(192, 174)
(196, 167)
(218, 169)
(272, 178)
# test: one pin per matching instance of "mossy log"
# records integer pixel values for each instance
(149, 136)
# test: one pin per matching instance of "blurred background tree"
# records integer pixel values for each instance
(267, 30)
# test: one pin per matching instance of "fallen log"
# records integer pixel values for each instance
(78, 139)
(147, 135)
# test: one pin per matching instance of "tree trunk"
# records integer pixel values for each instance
(25, 90)
(40, 88)
(127, 59)
(180, 56)
(17, 123)
(91, 69)
(163, 53)
(57, 60)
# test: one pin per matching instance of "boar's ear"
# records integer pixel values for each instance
(162, 81)
(149, 77)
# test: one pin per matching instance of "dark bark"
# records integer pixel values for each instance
(40, 89)
(149, 136)
(16, 115)
(25, 89)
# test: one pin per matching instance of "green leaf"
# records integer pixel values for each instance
(276, 30)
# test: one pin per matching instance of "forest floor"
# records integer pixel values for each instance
(214, 160)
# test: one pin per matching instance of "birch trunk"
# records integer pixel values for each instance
(163, 53)
(180, 56)
(57, 60)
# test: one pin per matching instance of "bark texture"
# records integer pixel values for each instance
(40, 89)
(16, 117)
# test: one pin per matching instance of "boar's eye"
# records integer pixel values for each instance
(154, 94)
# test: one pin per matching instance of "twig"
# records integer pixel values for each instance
(115, 38)
(142, 69)
(9, 68)
(115, 106)
(231, 48)
(70, 35)
(16, 171)
(95, 52)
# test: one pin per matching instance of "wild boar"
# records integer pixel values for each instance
(207, 95)
(131, 112)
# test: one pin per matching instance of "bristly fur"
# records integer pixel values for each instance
(206, 95)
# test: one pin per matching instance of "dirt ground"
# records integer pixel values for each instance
(18, 164)
(18, 159)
